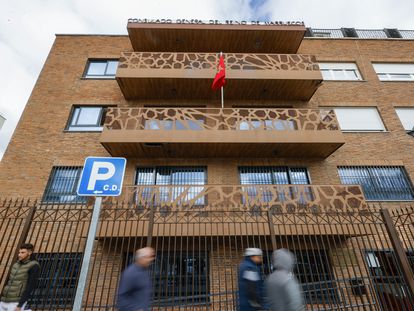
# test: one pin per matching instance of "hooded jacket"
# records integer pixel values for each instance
(282, 288)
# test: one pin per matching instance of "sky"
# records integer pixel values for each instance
(28, 28)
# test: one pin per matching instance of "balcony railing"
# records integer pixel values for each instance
(189, 75)
(276, 198)
(202, 61)
(189, 132)
(235, 119)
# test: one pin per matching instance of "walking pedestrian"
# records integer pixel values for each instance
(135, 287)
(22, 281)
(250, 281)
(282, 288)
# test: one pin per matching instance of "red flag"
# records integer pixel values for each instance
(219, 79)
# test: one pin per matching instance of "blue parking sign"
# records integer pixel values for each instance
(102, 176)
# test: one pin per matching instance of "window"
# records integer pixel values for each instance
(394, 71)
(62, 185)
(340, 71)
(87, 118)
(387, 277)
(406, 116)
(359, 119)
(274, 175)
(180, 277)
(379, 182)
(57, 280)
(101, 68)
(276, 125)
(179, 125)
(171, 176)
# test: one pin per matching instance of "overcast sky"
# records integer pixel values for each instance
(28, 28)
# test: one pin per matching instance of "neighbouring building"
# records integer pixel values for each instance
(2, 120)
(314, 136)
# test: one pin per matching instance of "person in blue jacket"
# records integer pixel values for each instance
(250, 281)
(135, 287)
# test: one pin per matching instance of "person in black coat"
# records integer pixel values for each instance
(135, 287)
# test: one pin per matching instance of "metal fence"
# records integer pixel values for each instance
(360, 33)
(347, 259)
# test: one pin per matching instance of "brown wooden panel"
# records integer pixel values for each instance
(215, 38)
(170, 88)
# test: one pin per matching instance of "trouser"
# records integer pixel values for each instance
(10, 306)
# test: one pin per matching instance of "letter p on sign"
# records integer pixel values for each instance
(96, 173)
(102, 176)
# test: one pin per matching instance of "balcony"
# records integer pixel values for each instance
(214, 38)
(209, 209)
(161, 76)
(213, 132)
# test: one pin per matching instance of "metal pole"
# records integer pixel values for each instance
(222, 98)
(77, 305)
(222, 90)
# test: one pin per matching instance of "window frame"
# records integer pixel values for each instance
(99, 76)
(88, 127)
(48, 195)
(272, 170)
(387, 75)
(338, 68)
(383, 130)
(399, 117)
(173, 187)
(370, 175)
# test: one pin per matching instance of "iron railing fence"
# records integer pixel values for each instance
(346, 258)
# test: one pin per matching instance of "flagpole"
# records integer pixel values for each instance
(222, 98)
(222, 90)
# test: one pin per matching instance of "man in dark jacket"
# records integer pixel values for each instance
(282, 288)
(135, 287)
(250, 280)
(22, 280)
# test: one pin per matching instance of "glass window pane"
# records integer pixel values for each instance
(406, 116)
(339, 74)
(62, 185)
(89, 116)
(359, 119)
(111, 68)
(96, 68)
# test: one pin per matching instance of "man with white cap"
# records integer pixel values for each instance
(250, 280)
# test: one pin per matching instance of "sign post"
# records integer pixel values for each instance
(100, 177)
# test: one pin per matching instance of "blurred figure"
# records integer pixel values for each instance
(135, 287)
(282, 288)
(250, 281)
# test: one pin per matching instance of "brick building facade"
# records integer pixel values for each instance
(277, 121)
